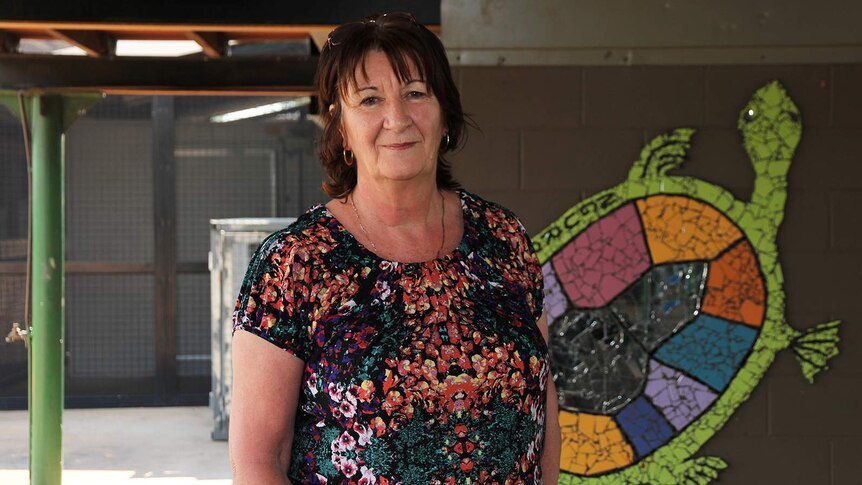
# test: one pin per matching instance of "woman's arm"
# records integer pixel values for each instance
(551, 452)
(266, 386)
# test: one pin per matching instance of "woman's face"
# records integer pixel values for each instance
(394, 128)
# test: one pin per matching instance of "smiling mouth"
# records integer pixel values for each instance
(400, 146)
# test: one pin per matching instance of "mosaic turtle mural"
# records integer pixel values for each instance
(666, 306)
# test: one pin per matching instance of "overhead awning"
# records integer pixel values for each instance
(254, 47)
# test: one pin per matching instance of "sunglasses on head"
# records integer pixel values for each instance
(336, 36)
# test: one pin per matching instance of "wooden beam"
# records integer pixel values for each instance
(247, 33)
(7, 268)
(94, 43)
(104, 267)
(86, 267)
(214, 44)
(171, 91)
(248, 12)
(165, 260)
(319, 37)
(162, 31)
(147, 74)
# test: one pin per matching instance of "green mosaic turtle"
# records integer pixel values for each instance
(666, 306)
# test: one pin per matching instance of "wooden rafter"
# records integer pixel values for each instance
(94, 43)
(263, 71)
(41, 30)
(214, 44)
(318, 37)
(248, 12)
(286, 75)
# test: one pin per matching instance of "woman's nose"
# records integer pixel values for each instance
(397, 116)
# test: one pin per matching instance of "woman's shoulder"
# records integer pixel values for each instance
(307, 235)
(489, 212)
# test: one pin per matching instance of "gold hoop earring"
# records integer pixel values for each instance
(446, 145)
(348, 161)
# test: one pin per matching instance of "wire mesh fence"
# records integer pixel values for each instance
(264, 166)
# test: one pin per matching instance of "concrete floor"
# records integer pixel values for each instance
(120, 446)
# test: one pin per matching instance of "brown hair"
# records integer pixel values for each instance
(402, 40)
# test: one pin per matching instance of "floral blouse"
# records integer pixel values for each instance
(415, 373)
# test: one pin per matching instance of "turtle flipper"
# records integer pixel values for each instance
(700, 471)
(815, 346)
(664, 152)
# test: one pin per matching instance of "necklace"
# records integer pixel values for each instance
(442, 224)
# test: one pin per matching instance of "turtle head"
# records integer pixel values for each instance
(771, 127)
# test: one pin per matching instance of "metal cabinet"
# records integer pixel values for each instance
(232, 244)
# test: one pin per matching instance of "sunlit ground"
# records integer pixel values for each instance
(102, 477)
(124, 446)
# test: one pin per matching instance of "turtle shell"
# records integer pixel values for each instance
(653, 309)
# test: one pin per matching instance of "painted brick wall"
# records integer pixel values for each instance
(551, 136)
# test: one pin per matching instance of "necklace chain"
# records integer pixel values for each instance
(362, 226)
(374, 246)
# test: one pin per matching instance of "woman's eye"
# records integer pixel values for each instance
(369, 101)
(416, 94)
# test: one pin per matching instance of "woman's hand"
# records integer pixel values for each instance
(551, 451)
(266, 386)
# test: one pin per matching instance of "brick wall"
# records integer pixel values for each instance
(551, 136)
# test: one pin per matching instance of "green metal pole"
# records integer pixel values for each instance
(46, 405)
(48, 117)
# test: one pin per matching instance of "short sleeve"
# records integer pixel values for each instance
(535, 277)
(271, 300)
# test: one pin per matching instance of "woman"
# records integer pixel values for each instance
(401, 332)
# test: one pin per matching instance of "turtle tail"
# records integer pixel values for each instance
(664, 152)
(815, 346)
